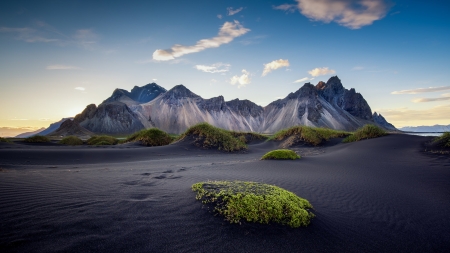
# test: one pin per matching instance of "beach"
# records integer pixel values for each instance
(379, 195)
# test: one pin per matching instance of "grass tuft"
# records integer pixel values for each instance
(4, 140)
(37, 139)
(71, 140)
(208, 136)
(102, 140)
(254, 202)
(280, 154)
(366, 132)
(311, 135)
(247, 137)
(151, 137)
(442, 141)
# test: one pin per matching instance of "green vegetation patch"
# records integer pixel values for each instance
(311, 135)
(442, 141)
(366, 132)
(71, 140)
(102, 140)
(151, 137)
(280, 154)
(4, 140)
(37, 139)
(254, 202)
(247, 137)
(207, 136)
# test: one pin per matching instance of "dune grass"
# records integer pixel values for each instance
(442, 141)
(366, 132)
(37, 139)
(280, 154)
(213, 137)
(254, 202)
(102, 140)
(247, 137)
(71, 140)
(311, 135)
(4, 140)
(151, 137)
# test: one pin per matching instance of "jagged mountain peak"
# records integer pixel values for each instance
(180, 91)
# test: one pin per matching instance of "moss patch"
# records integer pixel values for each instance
(71, 140)
(37, 139)
(311, 135)
(280, 154)
(102, 140)
(4, 140)
(442, 141)
(151, 137)
(254, 202)
(247, 137)
(207, 136)
(366, 132)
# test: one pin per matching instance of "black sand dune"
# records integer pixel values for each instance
(379, 195)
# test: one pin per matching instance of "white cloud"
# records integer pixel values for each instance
(353, 14)
(321, 71)
(286, 7)
(61, 67)
(422, 90)
(231, 12)
(215, 68)
(242, 80)
(421, 100)
(154, 79)
(80, 88)
(227, 33)
(304, 79)
(268, 67)
(219, 16)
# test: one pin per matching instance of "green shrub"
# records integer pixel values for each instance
(443, 140)
(4, 140)
(311, 135)
(37, 139)
(366, 132)
(151, 137)
(247, 137)
(254, 202)
(212, 137)
(102, 140)
(280, 154)
(71, 140)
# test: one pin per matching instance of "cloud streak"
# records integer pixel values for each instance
(227, 33)
(405, 116)
(304, 79)
(353, 14)
(80, 88)
(422, 90)
(61, 67)
(286, 7)
(273, 65)
(321, 71)
(215, 68)
(232, 12)
(241, 80)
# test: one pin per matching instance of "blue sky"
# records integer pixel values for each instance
(59, 56)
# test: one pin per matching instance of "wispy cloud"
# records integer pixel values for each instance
(227, 33)
(422, 100)
(219, 16)
(215, 68)
(154, 79)
(321, 71)
(268, 67)
(422, 90)
(304, 79)
(61, 67)
(80, 88)
(231, 12)
(405, 116)
(241, 80)
(286, 7)
(353, 14)
(252, 40)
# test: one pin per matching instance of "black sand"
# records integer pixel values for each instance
(379, 195)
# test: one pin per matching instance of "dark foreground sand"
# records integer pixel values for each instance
(379, 195)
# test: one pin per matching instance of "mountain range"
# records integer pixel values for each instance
(323, 105)
(435, 128)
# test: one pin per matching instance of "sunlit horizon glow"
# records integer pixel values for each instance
(54, 64)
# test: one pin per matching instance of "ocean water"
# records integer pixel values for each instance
(424, 134)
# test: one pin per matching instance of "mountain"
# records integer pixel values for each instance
(53, 126)
(381, 121)
(435, 128)
(29, 134)
(70, 127)
(323, 105)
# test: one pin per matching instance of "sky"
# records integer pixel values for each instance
(56, 57)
